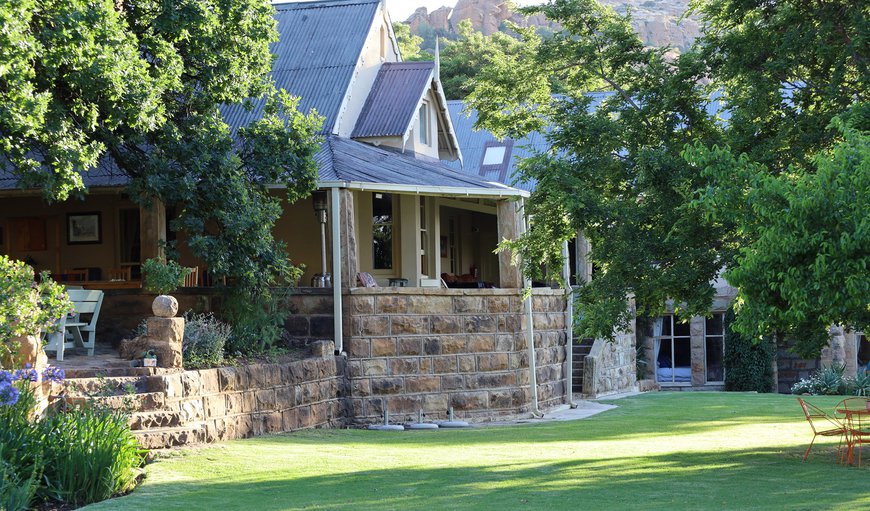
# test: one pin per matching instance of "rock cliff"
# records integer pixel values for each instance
(656, 21)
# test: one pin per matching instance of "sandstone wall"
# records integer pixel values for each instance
(610, 366)
(238, 402)
(414, 349)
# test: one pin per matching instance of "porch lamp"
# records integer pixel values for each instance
(320, 206)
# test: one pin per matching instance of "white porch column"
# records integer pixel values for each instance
(337, 270)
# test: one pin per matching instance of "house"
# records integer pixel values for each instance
(394, 211)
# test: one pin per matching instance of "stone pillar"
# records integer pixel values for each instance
(509, 227)
(152, 229)
(850, 349)
(349, 249)
(699, 351)
(165, 336)
(583, 266)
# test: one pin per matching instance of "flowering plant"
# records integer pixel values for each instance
(11, 391)
(27, 306)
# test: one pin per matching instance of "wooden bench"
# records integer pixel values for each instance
(85, 301)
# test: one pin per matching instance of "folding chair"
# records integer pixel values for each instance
(827, 426)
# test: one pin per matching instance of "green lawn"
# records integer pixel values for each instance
(670, 451)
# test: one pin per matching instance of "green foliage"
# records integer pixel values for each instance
(16, 490)
(204, 340)
(143, 82)
(613, 169)
(21, 448)
(748, 364)
(163, 276)
(805, 252)
(27, 307)
(409, 44)
(786, 218)
(257, 318)
(91, 455)
(463, 58)
(830, 381)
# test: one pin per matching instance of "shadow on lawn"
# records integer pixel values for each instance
(667, 414)
(751, 479)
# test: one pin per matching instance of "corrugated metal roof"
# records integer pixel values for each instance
(347, 160)
(393, 100)
(315, 56)
(474, 143)
(105, 174)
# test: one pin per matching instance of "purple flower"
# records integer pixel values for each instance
(27, 373)
(5, 377)
(53, 374)
(8, 394)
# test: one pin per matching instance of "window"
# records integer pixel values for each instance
(714, 344)
(382, 231)
(494, 155)
(424, 124)
(673, 350)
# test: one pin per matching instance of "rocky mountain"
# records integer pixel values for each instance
(656, 21)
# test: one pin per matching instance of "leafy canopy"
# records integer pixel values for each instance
(144, 83)
(664, 222)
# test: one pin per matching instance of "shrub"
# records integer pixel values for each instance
(26, 306)
(860, 384)
(748, 364)
(204, 340)
(76, 457)
(162, 276)
(91, 454)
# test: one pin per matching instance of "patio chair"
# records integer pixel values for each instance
(119, 273)
(822, 424)
(192, 278)
(77, 275)
(85, 301)
(856, 417)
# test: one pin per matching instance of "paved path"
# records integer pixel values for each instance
(585, 408)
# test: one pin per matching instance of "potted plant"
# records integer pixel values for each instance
(27, 307)
(163, 277)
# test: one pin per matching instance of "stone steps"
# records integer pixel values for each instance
(141, 402)
(163, 438)
(157, 419)
(112, 386)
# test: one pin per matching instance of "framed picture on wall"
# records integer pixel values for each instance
(83, 228)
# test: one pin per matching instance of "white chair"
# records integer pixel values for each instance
(56, 341)
(85, 301)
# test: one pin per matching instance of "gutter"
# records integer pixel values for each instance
(504, 192)
(569, 325)
(336, 272)
(530, 328)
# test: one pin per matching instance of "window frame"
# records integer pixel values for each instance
(707, 335)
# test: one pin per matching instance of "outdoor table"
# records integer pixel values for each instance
(854, 418)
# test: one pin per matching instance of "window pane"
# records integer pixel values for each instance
(382, 231)
(666, 325)
(714, 325)
(664, 362)
(682, 353)
(424, 124)
(681, 329)
(494, 155)
(715, 365)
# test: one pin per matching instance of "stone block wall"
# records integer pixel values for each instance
(610, 366)
(414, 349)
(237, 402)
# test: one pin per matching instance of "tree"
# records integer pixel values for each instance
(614, 169)
(804, 265)
(662, 223)
(463, 58)
(409, 44)
(141, 84)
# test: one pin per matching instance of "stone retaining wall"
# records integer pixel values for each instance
(238, 402)
(417, 349)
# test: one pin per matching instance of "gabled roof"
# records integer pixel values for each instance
(317, 52)
(345, 163)
(392, 103)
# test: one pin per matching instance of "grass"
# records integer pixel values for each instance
(656, 451)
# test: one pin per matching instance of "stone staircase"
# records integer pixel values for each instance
(157, 420)
(580, 351)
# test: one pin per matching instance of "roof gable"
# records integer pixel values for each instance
(316, 55)
(392, 103)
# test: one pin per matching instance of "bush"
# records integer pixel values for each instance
(90, 455)
(76, 457)
(829, 381)
(205, 338)
(748, 365)
(26, 306)
(162, 276)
